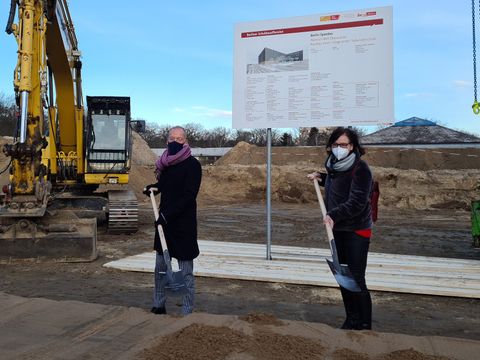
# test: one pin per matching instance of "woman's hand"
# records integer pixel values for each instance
(315, 175)
(328, 221)
(320, 177)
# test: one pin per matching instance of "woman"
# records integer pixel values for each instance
(347, 192)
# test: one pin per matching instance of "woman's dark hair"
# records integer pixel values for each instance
(352, 136)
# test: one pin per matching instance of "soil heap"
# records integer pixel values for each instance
(409, 179)
(4, 160)
(143, 166)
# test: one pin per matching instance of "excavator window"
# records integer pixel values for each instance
(108, 139)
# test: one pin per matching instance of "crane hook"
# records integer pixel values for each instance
(476, 108)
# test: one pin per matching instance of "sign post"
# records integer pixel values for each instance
(269, 194)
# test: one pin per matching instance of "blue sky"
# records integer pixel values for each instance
(175, 58)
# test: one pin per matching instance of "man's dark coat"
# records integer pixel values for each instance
(179, 185)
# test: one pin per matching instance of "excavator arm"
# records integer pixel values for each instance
(47, 80)
(61, 154)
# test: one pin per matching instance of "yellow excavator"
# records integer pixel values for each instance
(62, 152)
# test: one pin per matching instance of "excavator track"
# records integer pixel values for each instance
(122, 212)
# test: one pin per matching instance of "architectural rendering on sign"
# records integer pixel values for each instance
(270, 60)
(269, 56)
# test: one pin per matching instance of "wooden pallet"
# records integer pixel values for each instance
(299, 265)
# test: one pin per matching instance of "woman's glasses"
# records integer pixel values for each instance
(342, 145)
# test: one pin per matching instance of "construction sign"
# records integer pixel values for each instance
(317, 70)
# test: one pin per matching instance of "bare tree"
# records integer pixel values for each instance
(195, 134)
(302, 137)
(219, 136)
(262, 136)
(312, 137)
(8, 118)
(286, 140)
(155, 135)
(243, 135)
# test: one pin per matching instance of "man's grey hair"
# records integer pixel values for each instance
(178, 127)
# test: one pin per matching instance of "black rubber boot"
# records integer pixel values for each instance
(350, 324)
(351, 310)
(364, 302)
(159, 310)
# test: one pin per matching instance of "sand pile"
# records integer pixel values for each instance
(244, 154)
(4, 160)
(210, 337)
(143, 166)
(141, 152)
(403, 189)
(400, 158)
(435, 179)
(232, 180)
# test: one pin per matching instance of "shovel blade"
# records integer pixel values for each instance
(176, 282)
(175, 279)
(173, 282)
(343, 276)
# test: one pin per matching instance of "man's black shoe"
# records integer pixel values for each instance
(363, 326)
(349, 324)
(158, 310)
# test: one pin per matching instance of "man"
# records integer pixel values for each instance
(179, 175)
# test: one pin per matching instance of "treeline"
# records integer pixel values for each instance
(156, 136)
(8, 118)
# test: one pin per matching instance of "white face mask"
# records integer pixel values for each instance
(340, 153)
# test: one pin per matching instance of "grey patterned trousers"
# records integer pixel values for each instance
(159, 296)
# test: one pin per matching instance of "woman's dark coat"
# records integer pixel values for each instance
(347, 196)
(179, 185)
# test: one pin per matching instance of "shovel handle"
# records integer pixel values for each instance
(159, 227)
(322, 206)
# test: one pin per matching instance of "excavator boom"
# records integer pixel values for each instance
(62, 152)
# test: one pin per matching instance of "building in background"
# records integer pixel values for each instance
(417, 131)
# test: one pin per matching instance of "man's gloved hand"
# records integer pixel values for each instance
(161, 220)
(146, 189)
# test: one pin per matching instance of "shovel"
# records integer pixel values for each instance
(175, 279)
(341, 272)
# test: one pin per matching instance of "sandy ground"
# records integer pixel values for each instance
(434, 233)
(422, 212)
(64, 330)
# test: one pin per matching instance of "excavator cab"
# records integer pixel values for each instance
(108, 158)
(108, 137)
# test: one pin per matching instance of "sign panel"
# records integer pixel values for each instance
(318, 70)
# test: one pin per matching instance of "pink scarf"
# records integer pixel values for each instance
(166, 160)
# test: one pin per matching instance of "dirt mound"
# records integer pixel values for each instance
(403, 189)
(399, 158)
(143, 166)
(201, 341)
(4, 160)
(141, 152)
(212, 343)
(244, 154)
(409, 178)
(261, 319)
